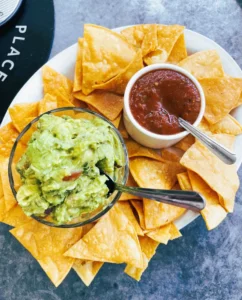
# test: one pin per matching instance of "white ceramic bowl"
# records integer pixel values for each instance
(144, 136)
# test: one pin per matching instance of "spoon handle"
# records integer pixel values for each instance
(220, 151)
(186, 199)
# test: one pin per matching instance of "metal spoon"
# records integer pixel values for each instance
(186, 199)
(220, 151)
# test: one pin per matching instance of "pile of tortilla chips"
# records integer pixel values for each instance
(132, 230)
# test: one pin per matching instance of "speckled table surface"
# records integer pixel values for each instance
(201, 264)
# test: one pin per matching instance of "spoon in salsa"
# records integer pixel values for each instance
(220, 151)
(186, 199)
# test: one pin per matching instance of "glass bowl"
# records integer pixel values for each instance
(121, 175)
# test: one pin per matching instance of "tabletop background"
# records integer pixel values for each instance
(201, 264)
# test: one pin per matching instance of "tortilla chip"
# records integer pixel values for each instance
(136, 150)
(8, 133)
(159, 214)
(142, 36)
(213, 214)
(164, 233)
(184, 181)
(118, 83)
(185, 143)
(87, 270)
(47, 103)
(47, 245)
(54, 81)
(161, 235)
(113, 239)
(126, 196)
(172, 154)
(127, 210)
(176, 187)
(174, 231)
(167, 36)
(78, 67)
(222, 95)
(179, 51)
(116, 121)
(22, 114)
(16, 217)
(1, 186)
(228, 125)
(122, 129)
(154, 174)
(222, 178)
(203, 64)
(9, 199)
(5, 150)
(148, 247)
(103, 61)
(109, 104)
(138, 205)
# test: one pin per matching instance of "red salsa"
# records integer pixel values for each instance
(159, 97)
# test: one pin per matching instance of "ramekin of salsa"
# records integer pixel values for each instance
(155, 98)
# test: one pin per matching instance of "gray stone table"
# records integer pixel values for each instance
(201, 264)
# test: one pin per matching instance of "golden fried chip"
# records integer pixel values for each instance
(161, 235)
(136, 150)
(113, 239)
(185, 143)
(148, 247)
(142, 36)
(167, 36)
(109, 104)
(175, 233)
(164, 233)
(78, 67)
(222, 95)
(184, 181)
(179, 51)
(203, 64)
(47, 103)
(222, 178)
(118, 83)
(47, 245)
(8, 133)
(103, 60)
(87, 270)
(116, 121)
(15, 217)
(9, 199)
(54, 81)
(154, 174)
(127, 210)
(158, 214)
(158, 175)
(172, 154)
(138, 205)
(62, 100)
(126, 196)
(122, 129)
(22, 114)
(5, 150)
(228, 125)
(213, 214)
(1, 185)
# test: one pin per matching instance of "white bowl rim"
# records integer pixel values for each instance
(153, 67)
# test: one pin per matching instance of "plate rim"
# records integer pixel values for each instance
(189, 216)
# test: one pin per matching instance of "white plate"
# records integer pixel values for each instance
(64, 63)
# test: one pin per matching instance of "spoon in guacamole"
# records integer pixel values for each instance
(186, 199)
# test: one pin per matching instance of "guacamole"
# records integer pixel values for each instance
(60, 168)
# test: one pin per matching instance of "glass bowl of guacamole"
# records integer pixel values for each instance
(55, 163)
